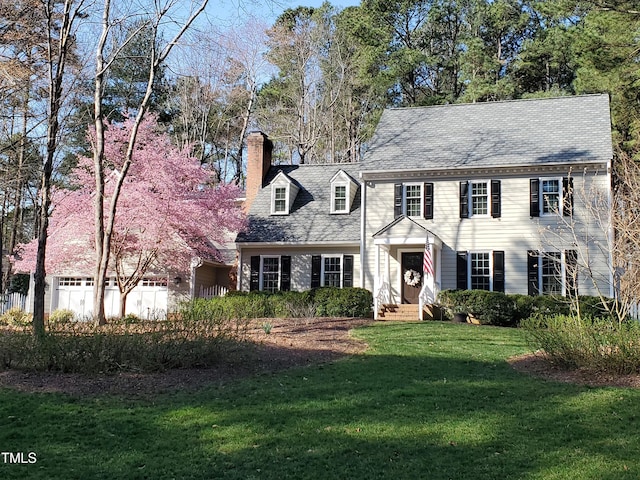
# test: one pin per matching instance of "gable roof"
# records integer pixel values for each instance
(509, 133)
(309, 219)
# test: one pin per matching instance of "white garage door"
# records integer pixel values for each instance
(148, 300)
(75, 294)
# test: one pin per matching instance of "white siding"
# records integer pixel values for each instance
(300, 263)
(515, 232)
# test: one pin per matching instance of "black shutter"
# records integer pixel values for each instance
(285, 273)
(567, 196)
(254, 283)
(496, 204)
(532, 272)
(498, 271)
(534, 197)
(464, 199)
(428, 201)
(397, 200)
(347, 271)
(316, 267)
(571, 272)
(461, 271)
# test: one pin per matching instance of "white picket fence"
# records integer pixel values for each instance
(11, 300)
(213, 291)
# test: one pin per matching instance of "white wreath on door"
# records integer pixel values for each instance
(412, 278)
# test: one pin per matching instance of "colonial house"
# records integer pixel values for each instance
(495, 196)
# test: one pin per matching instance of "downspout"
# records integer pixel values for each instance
(363, 254)
(239, 271)
(611, 233)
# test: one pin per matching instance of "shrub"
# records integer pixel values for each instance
(15, 317)
(592, 344)
(491, 308)
(496, 308)
(343, 302)
(61, 316)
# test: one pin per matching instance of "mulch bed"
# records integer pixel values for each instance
(290, 343)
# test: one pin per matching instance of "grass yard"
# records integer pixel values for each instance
(429, 400)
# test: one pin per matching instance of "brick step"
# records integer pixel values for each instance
(408, 312)
(399, 312)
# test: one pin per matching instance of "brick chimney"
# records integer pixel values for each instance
(259, 149)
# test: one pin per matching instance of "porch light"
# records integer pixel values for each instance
(177, 280)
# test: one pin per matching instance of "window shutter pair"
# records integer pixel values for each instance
(463, 268)
(496, 199)
(567, 197)
(347, 271)
(285, 273)
(427, 192)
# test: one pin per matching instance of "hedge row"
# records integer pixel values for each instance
(320, 302)
(496, 308)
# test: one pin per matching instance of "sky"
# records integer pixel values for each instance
(231, 11)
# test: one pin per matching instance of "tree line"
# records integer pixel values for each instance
(316, 81)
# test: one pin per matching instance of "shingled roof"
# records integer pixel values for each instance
(310, 219)
(510, 133)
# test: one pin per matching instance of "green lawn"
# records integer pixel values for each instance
(429, 400)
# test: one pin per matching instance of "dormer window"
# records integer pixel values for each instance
(340, 199)
(283, 193)
(280, 200)
(343, 191)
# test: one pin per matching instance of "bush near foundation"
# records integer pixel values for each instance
(497, 308)
(319, 302)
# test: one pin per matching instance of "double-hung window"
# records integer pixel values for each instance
(479, 198)
(413, 200)
(332, 272)
(340, 199)
(551, 196)
(552, 273)
(551, 193)
(480, 271)
(270, 274)
(280, 200)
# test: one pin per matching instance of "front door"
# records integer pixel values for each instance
(411, 276)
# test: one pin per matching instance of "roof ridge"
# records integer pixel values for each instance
(512, 100)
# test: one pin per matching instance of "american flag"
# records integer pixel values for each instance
(427, 262)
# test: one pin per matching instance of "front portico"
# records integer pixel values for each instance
(400, 276)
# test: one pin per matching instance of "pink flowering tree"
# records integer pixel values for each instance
(168, 212)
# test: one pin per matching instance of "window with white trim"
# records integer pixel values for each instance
(270, 274)
(551, 273)
(332, 271)
(413, 200)
(479, 198)
(70, 281)
(480, 270)
(340, 204)
(280, 200)
(551, 196)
